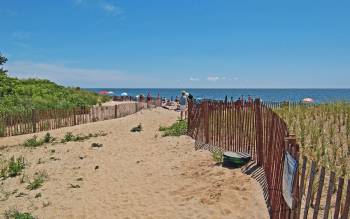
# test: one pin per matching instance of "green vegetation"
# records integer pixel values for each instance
(17, 95)
(177, 129)
(12, 167)
(137, 128)
(35, 142)
(218, 156)
(38, 181)
(70, 137)
(15, 214)
(323, 133)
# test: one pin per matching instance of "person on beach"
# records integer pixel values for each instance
(250, 99)
(183, 104)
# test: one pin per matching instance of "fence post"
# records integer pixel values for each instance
(259, 132)
(74, 117)
(206, 121)
(116, 111)
(189, 117)
(34, 120)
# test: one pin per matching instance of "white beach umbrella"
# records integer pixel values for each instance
(124, 94)
(308, 100)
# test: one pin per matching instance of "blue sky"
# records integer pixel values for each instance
(182, 43)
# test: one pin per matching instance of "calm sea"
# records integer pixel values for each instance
(319, 95)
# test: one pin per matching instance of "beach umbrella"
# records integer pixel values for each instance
(124, 94)
(308, 100)
(110, 92)
(103, 92)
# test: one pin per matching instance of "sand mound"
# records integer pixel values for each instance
(134, 175)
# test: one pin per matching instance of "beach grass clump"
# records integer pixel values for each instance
(218, 156)
(35, 141)
(15, 214)
(177, 129)
(69, 136)
(12, 167)
(38, 180)
(137, 128)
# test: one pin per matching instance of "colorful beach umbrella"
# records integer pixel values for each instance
(308, 100)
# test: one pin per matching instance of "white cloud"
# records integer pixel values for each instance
(69, 76)
(194, 79)
(213, 78)
(112, 9)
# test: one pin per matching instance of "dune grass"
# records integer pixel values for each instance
(218, 156)
(80, 137)
(15, 214)
(177, 129)
(323, 133)
(12, 167)
(38, 180)
(35, 142)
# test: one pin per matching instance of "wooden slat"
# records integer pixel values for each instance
(338, 200)
(309, 191)
(329, 195)
(345, 213)
(319, 193)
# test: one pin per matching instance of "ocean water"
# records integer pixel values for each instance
(319, 95)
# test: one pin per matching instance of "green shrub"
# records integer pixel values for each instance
(20, 95)
(15, 166)
(12, 167)
(38, 181)
(218, 156)
(67, 137)
(15, 214)
(177, 129)
(35, 142)
(48, 138)
(70, 137)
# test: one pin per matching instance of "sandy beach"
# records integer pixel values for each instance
(134, 175)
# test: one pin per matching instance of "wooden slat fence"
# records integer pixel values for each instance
(254, 128)
(42, 120)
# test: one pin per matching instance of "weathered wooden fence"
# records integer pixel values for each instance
(33, 121)
(254, 128)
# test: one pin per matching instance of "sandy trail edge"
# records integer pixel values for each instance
(140, 175)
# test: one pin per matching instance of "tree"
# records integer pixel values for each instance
(3, 60)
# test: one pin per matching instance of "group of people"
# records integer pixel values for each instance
(181, 103)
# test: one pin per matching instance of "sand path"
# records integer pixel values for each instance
(139, 175)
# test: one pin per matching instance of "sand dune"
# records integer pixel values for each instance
(139, 175)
